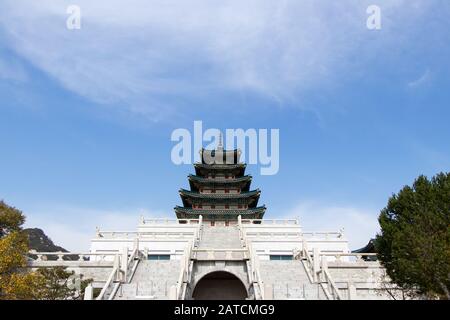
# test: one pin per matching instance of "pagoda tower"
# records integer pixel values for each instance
(220, 190)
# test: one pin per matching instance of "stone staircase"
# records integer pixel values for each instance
(289, 280)
(219, 237)
(152, 280)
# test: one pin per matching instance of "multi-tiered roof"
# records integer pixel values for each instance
(220, 190)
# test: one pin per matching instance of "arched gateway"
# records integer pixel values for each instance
(219, 285)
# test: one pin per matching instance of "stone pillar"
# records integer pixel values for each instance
(304, 247)
(123, 262)
(324, 266)
(89, 293)
(117, 266)
(351, 291)
(136, 243)
(268, 292)
(173, 293)
(316, 263)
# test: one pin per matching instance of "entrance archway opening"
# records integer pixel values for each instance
(219, 285)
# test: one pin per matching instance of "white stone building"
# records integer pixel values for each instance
(220, 247)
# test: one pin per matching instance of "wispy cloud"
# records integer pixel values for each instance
(139, 54)
(423, 79)
(359, 224)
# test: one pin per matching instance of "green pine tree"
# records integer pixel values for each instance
(414, 243)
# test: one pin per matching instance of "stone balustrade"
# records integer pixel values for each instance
(270, 221)
(72, 256)
(259, 234)
(162, 221)
(142, 235)
(322, 234)
(339, 258)
(220, 254)
(70, 259)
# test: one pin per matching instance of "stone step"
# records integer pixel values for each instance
(289, 280)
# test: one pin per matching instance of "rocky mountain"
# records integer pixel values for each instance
(39, 241)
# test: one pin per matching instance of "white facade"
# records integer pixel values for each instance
(270, 259)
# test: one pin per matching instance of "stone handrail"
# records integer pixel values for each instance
(331, 286)
(273, 234)
(170, 221)
(184, 273)
(134, 234)
(309, 264)
(326, 234)
(319, 273)
(253, 264)
(185, 269)
(110, 283)
(43, 256)
(358, 257)
(132, 263)
(217, 254)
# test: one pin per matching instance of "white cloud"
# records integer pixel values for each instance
(73, 228)
(137, 53)
(359, 224)
(423, 79)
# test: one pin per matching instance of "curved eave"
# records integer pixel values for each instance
(202, 169)
(249, 198)
(219, 166)
(222, 155)
(242, 183)
(369, 248)
(207, 196)
(188, 213)
(225, 181)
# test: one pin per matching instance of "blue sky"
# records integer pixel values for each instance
(86, 115)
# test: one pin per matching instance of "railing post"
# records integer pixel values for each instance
(305, 247)
(268, 292)
(117, 266)
(351, 291)
(324, 267)
(89, 293)
(316, 263)
(124, 262)
(136, 243)
(173, 293)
